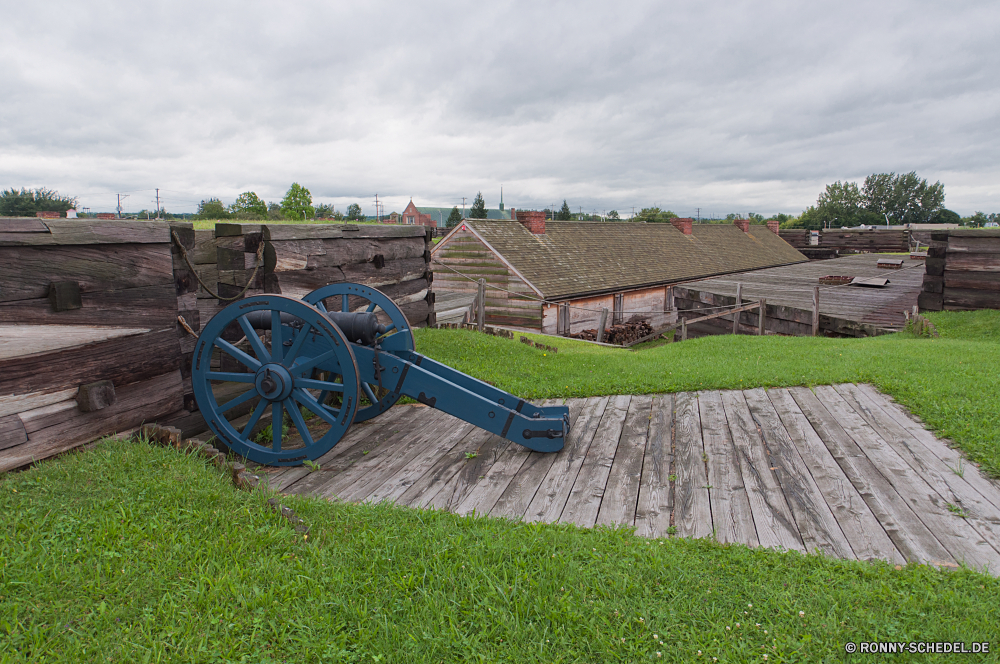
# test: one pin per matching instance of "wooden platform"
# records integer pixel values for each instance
(850, 310)
(841, 470)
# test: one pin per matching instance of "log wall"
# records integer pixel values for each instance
(875, 240)
(81, 302)
(962, 271)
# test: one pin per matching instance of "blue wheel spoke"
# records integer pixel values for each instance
(345, 303)
(304, 398)
(300, 339)
(277, 423)
(257, 412)
(390, 327)
(311, 364)
(237, 354)
(299, 421)
(230, 376)
(312, 384)
(366, 388)
(277, 336)
(243, 398)
(254, 340)
(371, 308)
(322, 307)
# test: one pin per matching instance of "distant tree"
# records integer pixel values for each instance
(212, 209)
(324, 211)
(274, 211)
(755, 218)
(297, 203)
(26, 202)
(842, 204)
(354, 212)
(613, 216)
(248, 205)
(977, 220)
(945, 216)
(906, 198)
(454, 218)
(780, 217)
(478, 210)
(654, 215)
(564, 214)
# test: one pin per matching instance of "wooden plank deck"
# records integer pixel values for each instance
(840, 470)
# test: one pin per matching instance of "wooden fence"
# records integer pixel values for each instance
(91, 338)
(963, 271)
(850, 240)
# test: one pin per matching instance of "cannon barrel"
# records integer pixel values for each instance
(360, 327)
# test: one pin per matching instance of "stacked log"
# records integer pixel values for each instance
(88, 332)
(962, 271)
(618, 334)
(850, 240)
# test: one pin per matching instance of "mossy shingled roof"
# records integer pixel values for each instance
(575, 258)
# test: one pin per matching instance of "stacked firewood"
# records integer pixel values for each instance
(618, 334)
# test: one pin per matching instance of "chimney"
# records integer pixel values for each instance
(532, 220)
(513, 214)
(772, 225)
(742, 224)
(683, 224)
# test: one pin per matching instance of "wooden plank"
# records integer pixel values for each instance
(929, 474)
(448, 434)
(514, 502)
(455, 490)
(908, 533)
(22, 225)
(280, 479)
(656, 499)
(732, 518)
(621, 494)
(18, 341)
(421, 433)
(816, 522)
(91, 231)
(22, 403)
(132, 358)
(137, 403)
(584, 500)
(444, 472)
(952, 458)
(771, 515)
(863, 531)
(550, 499)
(692, 502)
(12, 432)
(329, 231)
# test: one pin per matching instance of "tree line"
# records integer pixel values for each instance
(296, 204)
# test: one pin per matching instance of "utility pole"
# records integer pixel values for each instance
(378, 217)
(463, 207)
(698, 212)
(157, 202)
(120, 196)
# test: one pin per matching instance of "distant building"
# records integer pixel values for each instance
(437, 217)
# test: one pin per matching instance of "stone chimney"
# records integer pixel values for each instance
(532, 220)
(683, 224)
(742, 224)
(772, 225)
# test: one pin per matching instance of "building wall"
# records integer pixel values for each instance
(464, 253)
(413, 217)
(650, 304)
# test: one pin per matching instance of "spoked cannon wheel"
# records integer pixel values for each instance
(348, 297)
(283, 342)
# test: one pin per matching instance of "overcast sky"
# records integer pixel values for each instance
(724, 106)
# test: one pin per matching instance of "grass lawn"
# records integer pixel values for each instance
(952, 383)
(133, 553)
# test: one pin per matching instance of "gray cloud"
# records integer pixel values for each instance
(735, 107)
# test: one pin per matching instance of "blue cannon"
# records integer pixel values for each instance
(342, 354)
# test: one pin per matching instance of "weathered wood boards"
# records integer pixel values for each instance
(841, 472)
(847, 240)
(963, 271)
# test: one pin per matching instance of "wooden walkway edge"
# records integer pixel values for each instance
(840, 471)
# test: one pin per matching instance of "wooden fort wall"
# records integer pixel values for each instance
(846, 240)
(962, 271)
(91, 341)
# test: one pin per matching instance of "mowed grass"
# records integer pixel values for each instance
(952, 383)
(133, 553)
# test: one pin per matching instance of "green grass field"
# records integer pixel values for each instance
(952, 383)
(134, 553)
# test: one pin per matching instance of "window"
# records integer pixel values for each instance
(409, 219)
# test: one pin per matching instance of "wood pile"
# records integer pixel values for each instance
(618, 334)
(962, 271)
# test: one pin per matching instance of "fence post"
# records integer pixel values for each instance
(481, 311)
(604, 321)
(684, 329)
(815, 310)
(760, 318)
(739, 301)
